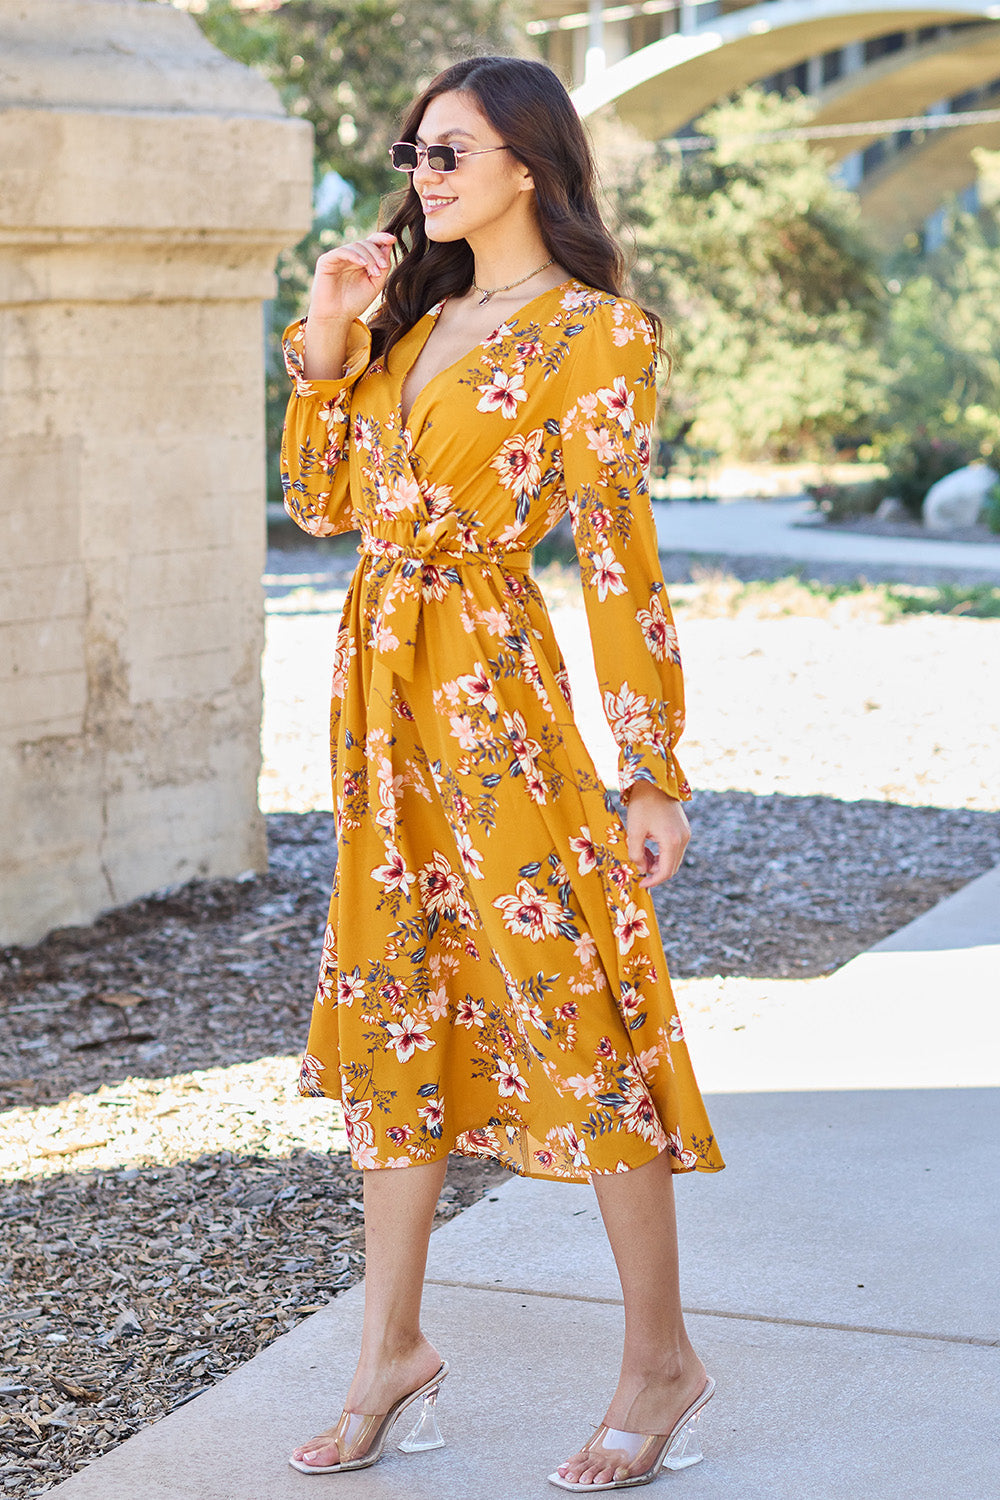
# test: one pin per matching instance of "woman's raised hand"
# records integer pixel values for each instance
(347, 280)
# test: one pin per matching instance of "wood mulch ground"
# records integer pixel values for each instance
(168, 1206)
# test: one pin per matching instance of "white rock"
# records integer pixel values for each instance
(957, 499)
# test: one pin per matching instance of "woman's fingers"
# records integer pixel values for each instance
(655, 818)
(347, 279)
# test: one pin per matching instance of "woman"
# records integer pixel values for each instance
(492, 980)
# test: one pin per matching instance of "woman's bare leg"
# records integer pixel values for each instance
(395, 1356)
(660, 1373)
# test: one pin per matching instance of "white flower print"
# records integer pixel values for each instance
(501, 393)
(510, 1082)
(519, 463)
(585, 851)
(309, 1079)
(408, 1036)
(630, 923)
(530, 913)
(350, 987)
(630, 716)
(357, 1123)
(479, 689)
(687, 1159)
(609, 575)
(394, 875)
(620, 402)
(440, 886)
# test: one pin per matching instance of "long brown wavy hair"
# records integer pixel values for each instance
(527, 105)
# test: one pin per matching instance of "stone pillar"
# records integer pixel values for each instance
(146, 186)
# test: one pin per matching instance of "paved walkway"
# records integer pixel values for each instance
(775, 528)
(840, 1276)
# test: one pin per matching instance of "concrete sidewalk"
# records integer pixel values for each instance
(789, 528)
(840, 1277)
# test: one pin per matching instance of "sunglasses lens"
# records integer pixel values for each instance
(441, 158)
(403, 156)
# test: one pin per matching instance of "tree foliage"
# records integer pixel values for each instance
(770, 287)
(353, 67)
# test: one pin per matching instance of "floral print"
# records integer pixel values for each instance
(492, 980)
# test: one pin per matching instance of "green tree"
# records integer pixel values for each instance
(943, 342)
(769, 286)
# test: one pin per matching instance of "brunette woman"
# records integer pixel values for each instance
(492, 980)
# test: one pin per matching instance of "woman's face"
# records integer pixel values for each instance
(487, 193)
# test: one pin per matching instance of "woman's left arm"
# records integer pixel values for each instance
(611, 404)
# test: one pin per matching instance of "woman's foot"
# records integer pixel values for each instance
(652, 1402)
(376, 1387)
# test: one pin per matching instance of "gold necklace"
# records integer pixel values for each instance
(486, 295)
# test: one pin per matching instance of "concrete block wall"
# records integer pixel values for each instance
(146, 186)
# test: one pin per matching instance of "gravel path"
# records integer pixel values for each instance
(167, 1206)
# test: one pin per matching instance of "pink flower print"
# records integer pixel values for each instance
(394, 875)
(440, 886)
(432, 1114)
(356, 1123)
(403, 495)
(679, 1151)
(630, 924)
(519, 464)
(676, 1029)
(630, 716)
(544, 1157)
(365, 1157)
(437, 1003)
(574, 300)
(382, 638)
(529, 349)
(350, 987)
(470, 1013)
(586, 852)
(609, 575)
(309, 1081)
(498, 337)
(393, 991)
(510, 1082)
(462, 729)
(620, 402)
(408, 1036)
(567, 1012)
(479, 689)
(529, 913)
(502, 393)
(399, 1134)
(584, 1088)
(601, 441)
(605, 1049)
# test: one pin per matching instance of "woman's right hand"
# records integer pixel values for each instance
(347, 280)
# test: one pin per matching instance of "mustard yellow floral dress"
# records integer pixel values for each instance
(492, 979)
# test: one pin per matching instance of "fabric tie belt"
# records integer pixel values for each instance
(394, 630)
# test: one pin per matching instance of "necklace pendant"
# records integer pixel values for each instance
(485, 298)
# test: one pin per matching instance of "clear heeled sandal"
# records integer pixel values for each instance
(639, 1457)
(365, 1436)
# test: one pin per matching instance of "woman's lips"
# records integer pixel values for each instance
(434, 205)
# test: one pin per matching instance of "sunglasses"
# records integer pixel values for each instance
(406, 157)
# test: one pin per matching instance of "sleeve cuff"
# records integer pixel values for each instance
(359, 348)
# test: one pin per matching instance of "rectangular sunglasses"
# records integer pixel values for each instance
(406, 157)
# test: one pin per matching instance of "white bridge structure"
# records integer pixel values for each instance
(662, 63)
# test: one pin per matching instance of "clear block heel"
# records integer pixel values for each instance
(425, 1433)
(685, 1449)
